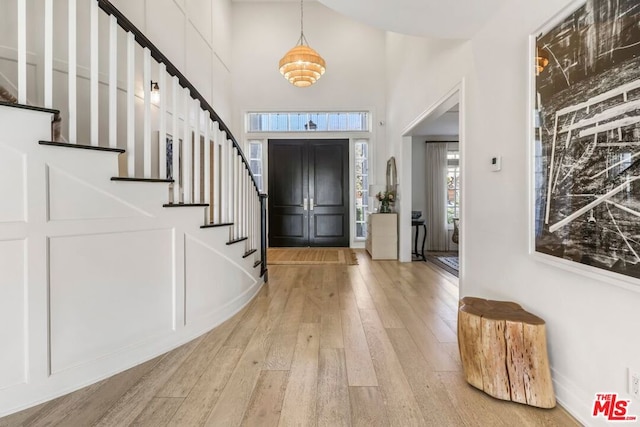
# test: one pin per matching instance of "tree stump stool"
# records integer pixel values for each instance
(503, 349)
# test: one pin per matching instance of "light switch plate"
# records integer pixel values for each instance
(496, 163)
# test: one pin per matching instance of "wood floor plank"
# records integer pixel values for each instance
(266, 402)
(234, 399)
(331, 329)
(158, 412)
(312, 312)
(429, 285)
(242, 333)
(20, 418)
(330, 317)
(363, 298)
(434, 351)
(360, 370)
(197, 406)
(367, 407)
(333, 389)
(184, 379)
(402, 407)
(435, 405)
(286, 334)
(132, 403)
(299, 406)
(432, 320)
(388, 315)
(473, 404)
(54, 412)
(90, 409)
(346, 296)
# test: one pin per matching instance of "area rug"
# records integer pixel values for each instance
(448, 263)
(311, 256)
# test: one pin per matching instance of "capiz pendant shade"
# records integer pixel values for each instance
(302, 66)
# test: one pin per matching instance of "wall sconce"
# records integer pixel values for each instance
(310, 125)
(155, 92)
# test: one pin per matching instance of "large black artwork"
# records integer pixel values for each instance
(587, 137)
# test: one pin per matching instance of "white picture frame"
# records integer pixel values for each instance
(572, 111)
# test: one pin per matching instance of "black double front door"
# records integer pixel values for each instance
(308, 193)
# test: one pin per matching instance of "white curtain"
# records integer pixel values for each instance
(436, 218)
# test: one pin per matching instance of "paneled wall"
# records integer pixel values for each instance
(95, 275)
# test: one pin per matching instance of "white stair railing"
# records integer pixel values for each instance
(204, 161)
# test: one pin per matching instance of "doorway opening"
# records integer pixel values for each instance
(435, 146)
(308, 193)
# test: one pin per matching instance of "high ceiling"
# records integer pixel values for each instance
(448, 19)
(454, 19)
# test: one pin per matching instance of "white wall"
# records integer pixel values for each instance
(591, 324)
(264, 31)
(196, 36)
(355, 78)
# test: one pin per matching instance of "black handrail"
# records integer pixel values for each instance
(263, 237)
(143, 41)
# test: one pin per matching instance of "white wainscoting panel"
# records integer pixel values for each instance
(12, 313)
(71, 198)
(212, 280)
(108, 292)
(12, 186)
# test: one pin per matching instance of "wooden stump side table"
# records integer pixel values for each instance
(503, 349)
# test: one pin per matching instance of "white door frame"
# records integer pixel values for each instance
(453, 96)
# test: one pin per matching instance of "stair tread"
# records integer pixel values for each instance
(249, 252)
(29, 107)
(238, 240)
(81, 146)
(257, 263)
(223, 224)
(126, 179)
(184, 205)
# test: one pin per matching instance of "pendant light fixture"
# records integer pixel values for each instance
(542, 60)
(302, 66)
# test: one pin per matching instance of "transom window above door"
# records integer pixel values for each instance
(305, 121)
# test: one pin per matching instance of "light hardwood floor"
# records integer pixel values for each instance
(323, 345)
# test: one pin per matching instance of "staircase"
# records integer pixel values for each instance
(120, 248)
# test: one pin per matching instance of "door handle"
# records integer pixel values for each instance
(311, 204)
(305, 204)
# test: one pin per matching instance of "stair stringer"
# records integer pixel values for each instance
(90, 292)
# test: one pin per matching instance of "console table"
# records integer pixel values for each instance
(416, 223)
(382, 235)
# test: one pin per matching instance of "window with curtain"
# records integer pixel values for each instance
(437, 196)
(453, 183)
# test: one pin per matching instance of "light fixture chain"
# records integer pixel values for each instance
(301, 20)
